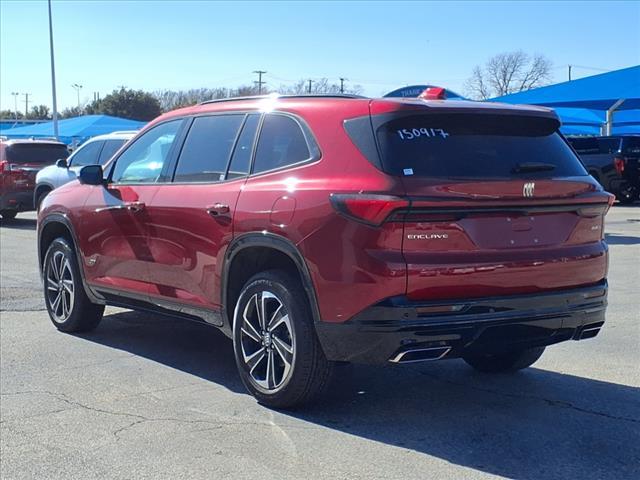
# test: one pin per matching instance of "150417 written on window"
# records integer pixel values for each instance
(410, 134)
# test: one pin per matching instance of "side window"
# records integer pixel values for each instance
(609, 145)
(87, 154)
(110, 147)
(207, 148)
(145, 158)
(241, 160)
(281, 143)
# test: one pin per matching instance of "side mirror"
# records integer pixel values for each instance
(62, 163)
(91, 175)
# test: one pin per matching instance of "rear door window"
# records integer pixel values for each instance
(281, 143)
(110, 147)
(207, 148)
(241, 159)
(87, 154)
(475, 146)
(37, 153)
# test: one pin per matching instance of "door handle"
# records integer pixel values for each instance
(218, 209)
(135, 206)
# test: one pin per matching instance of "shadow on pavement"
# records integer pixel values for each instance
(535, 424)
(615, 239)
(18, 223)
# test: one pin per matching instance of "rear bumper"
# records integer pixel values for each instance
(390, 330)
(21, 201)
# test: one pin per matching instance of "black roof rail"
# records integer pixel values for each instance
(258, 97)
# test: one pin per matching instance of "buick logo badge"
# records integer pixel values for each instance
(528, 189)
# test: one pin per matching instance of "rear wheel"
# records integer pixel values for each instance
(505, 362)
(69, 308)
(628, 195)
(8, 214)
(277, 353)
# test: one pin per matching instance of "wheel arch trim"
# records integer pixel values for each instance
(276, 242)
(63, 219)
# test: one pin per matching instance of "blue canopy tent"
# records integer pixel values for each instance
(76, 129)
(601, 95)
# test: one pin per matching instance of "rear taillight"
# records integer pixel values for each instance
(618, 164)
(5, 167)
(368, 208)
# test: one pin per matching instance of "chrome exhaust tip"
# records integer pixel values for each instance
(420, 355)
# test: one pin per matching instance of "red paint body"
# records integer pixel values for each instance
(174, 250)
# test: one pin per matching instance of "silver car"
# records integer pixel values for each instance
(96, 150)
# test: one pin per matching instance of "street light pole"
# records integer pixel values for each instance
(53, 77)
(77, 87)
(15, 103)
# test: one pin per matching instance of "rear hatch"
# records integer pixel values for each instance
(23, 160)
(499, 203)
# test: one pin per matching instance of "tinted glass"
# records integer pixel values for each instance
(43, 153)
(241, 160)
(475, 146)
(281, 143)
(609, 145)
(585, 146)
(206, 150)
(145, 158)
(631, 145)
(110, 147)
(87, 154)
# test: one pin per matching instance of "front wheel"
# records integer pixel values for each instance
(277, 353)
(68, 306)
(505, 362)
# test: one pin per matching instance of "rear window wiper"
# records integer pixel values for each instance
(532, 167)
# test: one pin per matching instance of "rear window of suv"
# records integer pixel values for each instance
(38, 153)
(475, 146)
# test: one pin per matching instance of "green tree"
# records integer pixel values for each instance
(39, 112)
(71, 112)
(10, 115)
(127, 103)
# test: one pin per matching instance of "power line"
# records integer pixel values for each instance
(260, 82)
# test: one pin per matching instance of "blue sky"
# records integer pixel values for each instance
(155, 45)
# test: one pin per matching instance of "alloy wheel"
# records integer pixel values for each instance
(266, 340)
(60, 287)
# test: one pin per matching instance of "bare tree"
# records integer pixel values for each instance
(318, 87)
(508, 72)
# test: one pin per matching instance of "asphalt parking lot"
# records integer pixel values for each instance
(152, 397)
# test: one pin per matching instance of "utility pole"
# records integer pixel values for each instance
(15, 102)
(26, 104)
(259, 82)
(569, 72)
(77, 88)
(309, 88)
(53, 77)
(342, 80)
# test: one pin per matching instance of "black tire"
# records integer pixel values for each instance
(294, 338)
(628, 195)
(68, 306)
(40, 197)
(505, 362)
(8, 214)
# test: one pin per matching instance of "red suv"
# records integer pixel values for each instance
(313, 230)
(20, 161)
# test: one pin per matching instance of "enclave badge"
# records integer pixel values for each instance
(528, 189)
